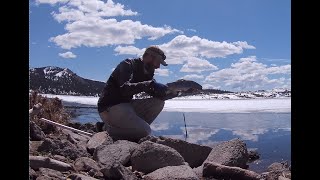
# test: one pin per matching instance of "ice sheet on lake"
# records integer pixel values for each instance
(203, 105)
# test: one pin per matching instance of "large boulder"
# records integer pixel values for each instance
(193, 154)
(230, 153)
(182, 172)
(151, 156)
(98, 139)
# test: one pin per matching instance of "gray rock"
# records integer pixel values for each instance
(80, 177)
(98, 139)
(119, 152)
(193, 154)
(85, 164)
(45, 177)
(60, 158)
(198, 171)
(62, 147)
(253, 154)
(151, 156)
(95, 173)
(75, 136)
(230, 153)
(118, 171)
(277, 170)
(182, 172)
(36, 134)
(278, 166)
(32, 173)
(51, 173)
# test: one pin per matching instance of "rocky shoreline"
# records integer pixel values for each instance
(66, 154)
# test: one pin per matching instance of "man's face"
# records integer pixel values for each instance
(154, 63)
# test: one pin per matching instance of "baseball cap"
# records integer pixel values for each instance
(156, 51)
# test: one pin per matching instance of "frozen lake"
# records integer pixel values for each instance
(262, 124)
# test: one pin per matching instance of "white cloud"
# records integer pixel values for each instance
(181, 48)
(81, 9)
(244, 45)
(193, 30)
(210, 86)
(197, 65)
(67, 55)
(162, 72)
(192, 76)
(286, 69)
(88, 24)
(247, 73)
(274, 59)
(97, 32)
(52, 2)
(192, 50)
(129, 50)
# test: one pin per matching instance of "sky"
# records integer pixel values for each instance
(229, 45)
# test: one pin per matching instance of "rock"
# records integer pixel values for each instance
(230, 153)
(277, 170)
(62, 147)
(182, 172)
(98, 139)
(85, 164)
(77, 176)
(72, 136)
(253, 154)
(118, 171)
(32, 173)
(118, 152)
(51, 173)
(151, 156)
(193, 154)
(36, 133)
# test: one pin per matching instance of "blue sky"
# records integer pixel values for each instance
(222, 44)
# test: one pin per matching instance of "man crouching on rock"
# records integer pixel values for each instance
(123, 116)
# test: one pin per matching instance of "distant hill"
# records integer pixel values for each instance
(62, 81)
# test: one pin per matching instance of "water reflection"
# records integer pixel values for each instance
(270, 133)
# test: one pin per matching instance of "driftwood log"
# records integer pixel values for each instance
(36, 109)
(37, 162)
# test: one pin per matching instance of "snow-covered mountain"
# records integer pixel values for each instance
(56, 80)
(275, 93)
(62, 81)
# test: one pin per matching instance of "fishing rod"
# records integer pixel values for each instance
(185, 126)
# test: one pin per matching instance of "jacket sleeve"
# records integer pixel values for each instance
(127, 88)
(150, 91)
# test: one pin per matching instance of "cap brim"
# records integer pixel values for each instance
(164, 63)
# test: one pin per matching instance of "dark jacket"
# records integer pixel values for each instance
(127, 79)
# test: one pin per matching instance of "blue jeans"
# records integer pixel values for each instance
(131, 121)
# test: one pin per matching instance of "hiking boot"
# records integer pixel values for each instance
(99, 126)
